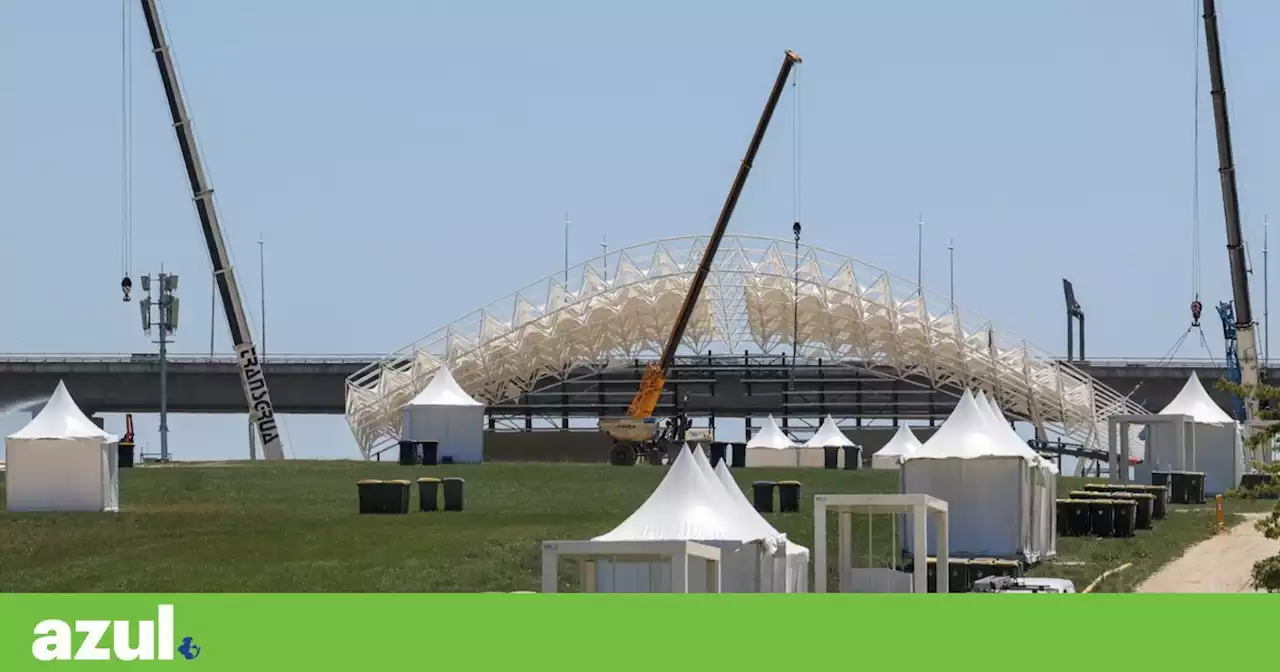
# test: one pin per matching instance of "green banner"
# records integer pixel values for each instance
(590, 632)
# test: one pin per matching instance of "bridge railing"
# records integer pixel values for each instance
(1122, 362)
(108, 358)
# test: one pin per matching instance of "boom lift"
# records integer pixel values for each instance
(1245, 345)
(251, 374)
(639, 433)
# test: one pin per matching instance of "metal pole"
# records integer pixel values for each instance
(262, 296)
(1266, 303)
(920, 256)
(604, 256)
(566, 251)
(951, 268)
(163, 309)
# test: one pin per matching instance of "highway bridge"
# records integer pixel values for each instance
(731, 385)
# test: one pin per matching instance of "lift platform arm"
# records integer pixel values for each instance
(655, 374)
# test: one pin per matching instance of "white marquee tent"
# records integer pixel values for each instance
(1213, 442)
(986, 480)
(795, 566)
(1044, 487)
(62, 461)
(691, 505)
(904, 442)
(444, 412)
(830, 436)
(771, 447)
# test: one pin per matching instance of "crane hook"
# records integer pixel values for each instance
(126, 286)
(1196, 308)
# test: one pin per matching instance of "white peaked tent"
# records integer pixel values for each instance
(890, 456)
(689, 506)
(1212, 444)
(444, 412)
(1044, 488)
(986, 480)
(62, 461)
(794, 567)
(771, 447)
(829, 436)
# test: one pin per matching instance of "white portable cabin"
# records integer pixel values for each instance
(771, 447)
(691, 505)
(903, 443)
(830, 436)
(62, 461)
(1212, 442)
(445, 413)
(986, 480)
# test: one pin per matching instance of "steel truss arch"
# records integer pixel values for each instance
(619, 307)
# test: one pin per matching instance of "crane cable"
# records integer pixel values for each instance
(795, 213)
(126, 147)
(1196, 307)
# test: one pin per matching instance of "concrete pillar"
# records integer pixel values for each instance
(98, 420)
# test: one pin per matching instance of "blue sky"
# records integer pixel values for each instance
(407, 161)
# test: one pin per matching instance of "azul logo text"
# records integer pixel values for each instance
(108, 640)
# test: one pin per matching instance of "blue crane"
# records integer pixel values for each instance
(1227, 311)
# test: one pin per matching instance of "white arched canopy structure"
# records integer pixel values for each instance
(620, 307)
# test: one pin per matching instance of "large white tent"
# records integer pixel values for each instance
(986, 479)
(1213, 443)
(794, 566)
(904, 442)
(62, 461)
(445, 413)
(1044, 486)
(690, 504)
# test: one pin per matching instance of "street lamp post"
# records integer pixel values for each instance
(166, 322)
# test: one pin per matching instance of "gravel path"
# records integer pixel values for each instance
(1218, 565)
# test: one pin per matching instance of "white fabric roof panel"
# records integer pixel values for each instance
(846, 310)
(61, 418)
(1194, 400)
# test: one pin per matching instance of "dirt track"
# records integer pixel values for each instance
(1218, 565)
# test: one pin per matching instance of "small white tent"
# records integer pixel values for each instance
(986, 481)
(688, 506)
(1213, 442)
(890, 456)
(62, 461)
(830, 436)
(445, 413)
(771, 447)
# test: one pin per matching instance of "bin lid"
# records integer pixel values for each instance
(788, 482)
(399, 482)
(428, 479)
(369, 481)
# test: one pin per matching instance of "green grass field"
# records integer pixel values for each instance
(293, 527)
